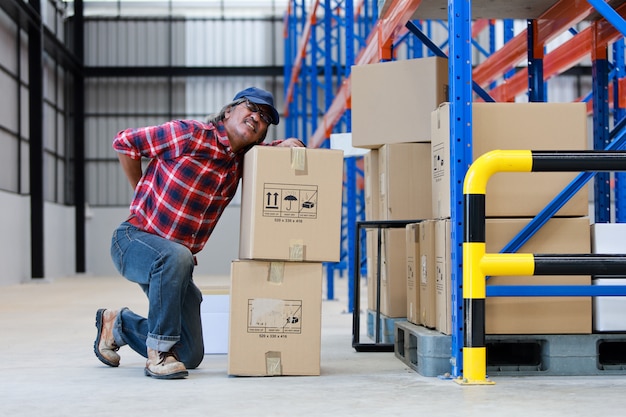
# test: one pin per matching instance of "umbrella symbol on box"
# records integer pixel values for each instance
(290, 198)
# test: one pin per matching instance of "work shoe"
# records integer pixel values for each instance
(105, 347)
(164, 365)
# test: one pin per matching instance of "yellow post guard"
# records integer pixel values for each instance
(508, 264)
(475, 367)
(486, 165)
(473, 277)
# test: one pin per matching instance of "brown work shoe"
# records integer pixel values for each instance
(105, 347)
(164, 365)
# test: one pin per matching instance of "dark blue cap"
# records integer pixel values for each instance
(259, 96)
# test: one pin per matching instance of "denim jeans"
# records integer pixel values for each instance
(164, 271)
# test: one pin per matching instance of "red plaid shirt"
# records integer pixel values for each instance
(190, 179)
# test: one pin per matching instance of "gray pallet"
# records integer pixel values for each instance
(428, 352)
(386, 328)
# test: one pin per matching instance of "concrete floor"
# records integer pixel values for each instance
(48, 368)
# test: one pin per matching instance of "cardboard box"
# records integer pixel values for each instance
(275, 318)
(214, 313)
(428, 310)
(371, 189)
(291, 204)
(405, 182)
(443, 284)
(412, 273)
(539, 315)
(392, 101)
(608, 312)
(393, 273)
(532, 126)
(371, 193)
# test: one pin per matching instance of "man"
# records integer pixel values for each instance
(192, 175)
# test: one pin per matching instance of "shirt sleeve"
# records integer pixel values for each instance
(165, 141)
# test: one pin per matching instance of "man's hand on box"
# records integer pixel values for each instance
(292, 143)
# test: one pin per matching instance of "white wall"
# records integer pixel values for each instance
(214, 259)
(14, 239)
(15, 247)
(59, 240)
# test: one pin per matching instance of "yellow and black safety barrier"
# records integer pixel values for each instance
(477, 264)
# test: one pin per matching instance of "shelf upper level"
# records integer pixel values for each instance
(490, 9)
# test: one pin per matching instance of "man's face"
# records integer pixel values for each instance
(244, 126)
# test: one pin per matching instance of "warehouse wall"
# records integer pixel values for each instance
(15, 240)
(215, 259)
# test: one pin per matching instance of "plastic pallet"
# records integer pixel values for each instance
(428, 352)
(387, 330)
(556, 355)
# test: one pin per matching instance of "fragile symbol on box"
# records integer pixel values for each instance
(290, 200)
(268, 315)
(438, 162)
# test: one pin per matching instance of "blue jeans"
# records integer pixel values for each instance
(164, 271)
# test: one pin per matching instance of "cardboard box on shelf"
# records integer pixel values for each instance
(532, 126)
(530, 315)
(291, 204)
(405, 183)
(275, 318)
(427, 274)
(401, 190)
(412, 273)
(540, 315)
(392, 101)
(371, 193)
(393, 273)
(443, 284)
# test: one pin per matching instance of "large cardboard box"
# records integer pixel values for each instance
(275, 318)
(532, 126)
(291, 204)
(392, 101)
(214, 313)
(608, 312)
(393, 273)
(428, 310)
(405, 182)
(443, 285)
(540, 315)
(412, 273)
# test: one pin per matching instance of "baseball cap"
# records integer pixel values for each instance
(259, 96)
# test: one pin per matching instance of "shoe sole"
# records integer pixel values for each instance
(104, 360)
(175, 375)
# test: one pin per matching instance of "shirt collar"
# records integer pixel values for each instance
(222, 137)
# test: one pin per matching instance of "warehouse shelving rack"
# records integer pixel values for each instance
(546, 20)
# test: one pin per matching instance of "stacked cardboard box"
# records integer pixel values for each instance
(512, 200)
(290, 224)
(393, 122)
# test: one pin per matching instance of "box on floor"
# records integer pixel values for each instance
(214, 313)
(275, 318)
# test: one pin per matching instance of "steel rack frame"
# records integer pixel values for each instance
(502, 64)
